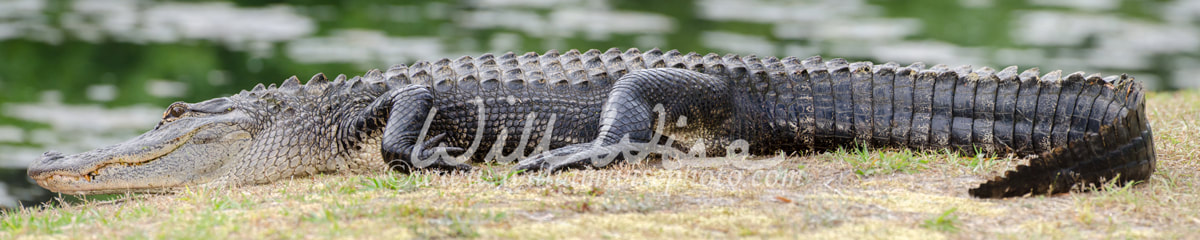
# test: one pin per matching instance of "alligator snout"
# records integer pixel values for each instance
(42, 164)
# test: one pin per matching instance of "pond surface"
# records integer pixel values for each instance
(76, 75)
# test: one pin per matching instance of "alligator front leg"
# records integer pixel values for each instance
(627, 120)
(408, 112)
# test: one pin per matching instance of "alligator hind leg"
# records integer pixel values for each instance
(627, 120)
(407, 111)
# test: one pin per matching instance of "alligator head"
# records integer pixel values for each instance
(253, 137)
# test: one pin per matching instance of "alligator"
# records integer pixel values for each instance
(589, 109)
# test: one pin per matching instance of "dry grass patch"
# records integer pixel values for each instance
(853, 193)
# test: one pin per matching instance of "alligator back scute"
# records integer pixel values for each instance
(803, 107)
(862, 85)
(418, 73)
(882, 90)
(923, 93)
(1068, 100)
(397, 76)
(672, 59)
(902, 106)
(1007, 88)
(822, 96)
(943, 106)
(633, 60)
(986, 89)
(1050, 86)
(1025, 111)
(962, 119)
(1081, 117)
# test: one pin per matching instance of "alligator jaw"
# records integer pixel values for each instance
(74, 185)
(91, 172)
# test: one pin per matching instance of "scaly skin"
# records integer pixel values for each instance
(596, 106)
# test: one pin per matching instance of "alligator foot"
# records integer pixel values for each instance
(578, 156)
(432, 158)
(558, 159)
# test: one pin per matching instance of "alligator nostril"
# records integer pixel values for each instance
(51, 155)
(43, 165)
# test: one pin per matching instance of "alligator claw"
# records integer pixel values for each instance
(555, 165)
(444, 162)
(440, 164)
(434, 140)
(449, 167)
(452, 151)
(533, 163)
(441, 156)
(530, 166)
(569, 157)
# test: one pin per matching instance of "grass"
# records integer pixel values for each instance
(945, 222)
(849, 193)
(391, 181)
(866, 162)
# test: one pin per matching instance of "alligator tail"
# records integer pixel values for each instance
(1121, 152)
(1084, 131)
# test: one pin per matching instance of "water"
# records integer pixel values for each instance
(75, 75)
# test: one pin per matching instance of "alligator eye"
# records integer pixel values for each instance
(175, 111)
